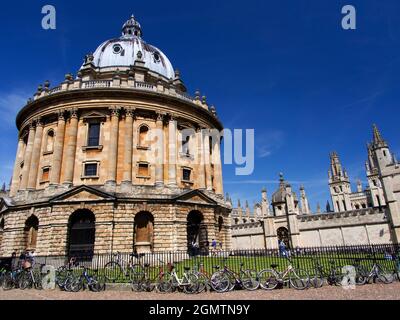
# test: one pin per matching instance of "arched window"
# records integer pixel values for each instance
(49, 141)
(30, 232)
(143, 136)
(81, 234)
(144, 232)
(196, 232)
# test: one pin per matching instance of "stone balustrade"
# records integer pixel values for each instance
(78, 84)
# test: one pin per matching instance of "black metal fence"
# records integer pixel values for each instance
(387, 255)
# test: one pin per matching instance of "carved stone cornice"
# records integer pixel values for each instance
(61, 115)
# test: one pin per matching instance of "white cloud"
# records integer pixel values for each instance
(267, 142)
(10, 104)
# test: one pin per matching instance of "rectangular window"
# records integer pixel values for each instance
(186, 174)
(143, 170)
(90, 169)
(45, 174)
(94, 134)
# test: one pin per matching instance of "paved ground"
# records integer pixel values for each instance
(369, 292)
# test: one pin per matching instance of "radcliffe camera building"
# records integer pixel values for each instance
(89, 174)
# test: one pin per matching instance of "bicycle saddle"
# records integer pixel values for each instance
(147, 265)
(273, 266)
(216, 267)
(186, 268)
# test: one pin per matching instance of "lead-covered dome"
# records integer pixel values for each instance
(124, 51)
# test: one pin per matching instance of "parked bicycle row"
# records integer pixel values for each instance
(168, 277)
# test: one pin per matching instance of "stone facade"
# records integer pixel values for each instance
(361, 217)
(120, 151)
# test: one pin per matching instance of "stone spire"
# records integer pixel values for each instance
(305, 208)
(264, 203)
(359, 186)
(377, 137)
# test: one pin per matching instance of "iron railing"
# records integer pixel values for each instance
(386, 255)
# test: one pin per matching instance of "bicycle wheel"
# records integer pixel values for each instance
(337, 276)
(164, 283)
(38, 281)
(136, 276)
(202, 281)
(76, 284)
(147, 285)
(8, 281)
(97, 284)
(267, 279)
(384, 276)
(299, 279)
(220, 281)
(249, 279)
(193, 285)
(317, 280)
(113, 271)
(61, 276)
(25, 281)
(361, 275)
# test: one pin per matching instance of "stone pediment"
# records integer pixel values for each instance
(3, 205)
(195, 196)
(82, 193)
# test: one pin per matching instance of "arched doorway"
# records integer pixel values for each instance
(196, 232)
(283, 234)
(81, 234)
(144, 232)
(30, 232)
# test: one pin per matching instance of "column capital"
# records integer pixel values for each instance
(160, 115)
(114, 110)
(73, 112)
(130, 112)
(38, 122)
(61, 114)
(172, 117)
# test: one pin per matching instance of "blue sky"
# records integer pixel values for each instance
(285, 68)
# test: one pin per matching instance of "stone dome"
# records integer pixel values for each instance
(279, 196)
(122, 52)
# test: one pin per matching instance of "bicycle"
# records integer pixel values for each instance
(93, 282)
(11, 279)
(376, 272)
(64, 272)
(170, 280)
(271, 278)
(226, 279)
(140, 279)
(204, 279)
(116, 267)
(333, 277)
(31, 278)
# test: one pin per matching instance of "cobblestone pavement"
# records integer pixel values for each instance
(369, 292)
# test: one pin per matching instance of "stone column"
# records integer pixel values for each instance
(217, 167)
(37, 146)
(207, 160)
(18, 158)
(160, 150)
(172, 152)
(58, 150)
(128, 140)
(27, 157)
(72, 135)
(113, 147)
(200, 160)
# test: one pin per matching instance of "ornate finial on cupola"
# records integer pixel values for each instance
(197, 95)
(132, 28)
(213, 110)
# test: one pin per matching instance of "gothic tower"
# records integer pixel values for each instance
(339, 185)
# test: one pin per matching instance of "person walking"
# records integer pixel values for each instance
(214, 246)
